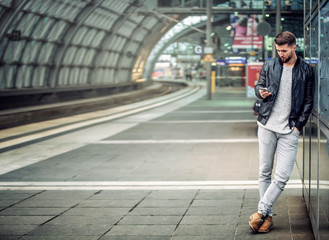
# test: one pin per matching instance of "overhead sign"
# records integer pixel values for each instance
(248, 42)
(208, 50)
(235, 60)
(200, 50)
(220, 61)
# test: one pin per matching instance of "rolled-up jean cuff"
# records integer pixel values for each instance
(264, 210)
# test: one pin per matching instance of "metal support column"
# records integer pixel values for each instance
(208, 44)
(277, 24)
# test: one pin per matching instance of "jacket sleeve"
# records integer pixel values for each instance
(308, 101)
(261, 81)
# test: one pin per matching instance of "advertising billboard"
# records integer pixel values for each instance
(253, 74)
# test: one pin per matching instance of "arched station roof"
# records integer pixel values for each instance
(71, 43)
(59, 45)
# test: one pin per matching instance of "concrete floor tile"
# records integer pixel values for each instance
(84, 220)
(281, 220)
(299, 220)
(212, 211)
(150, 220)
(142, 230)
(172, 195)
(206, 230)
(196, 238)
(62, 203)
(97, 211)
(14, 230)
(222, 203)
(14, 195)
(245, 233)
(13, 237)
(60, 237)
(119, 195)
(304, 236)
(116, 203)
(21, 220)
(70, 230)
(165, 203)
(61, 195)
(210, 220)
(158, 211)
(37, 211)
(134, 237)
(8, 202)
(217, 195)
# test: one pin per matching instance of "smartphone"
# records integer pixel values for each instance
(264, 89)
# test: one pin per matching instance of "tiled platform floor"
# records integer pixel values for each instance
(183, 171)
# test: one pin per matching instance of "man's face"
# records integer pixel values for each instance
(285, 52)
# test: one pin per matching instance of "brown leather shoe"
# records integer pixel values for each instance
(255, 221)
(267, 225)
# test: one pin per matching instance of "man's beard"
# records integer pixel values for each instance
(287, 59)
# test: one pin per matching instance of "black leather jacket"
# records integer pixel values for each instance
(301, 94)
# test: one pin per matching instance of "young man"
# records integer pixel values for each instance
(285, 87)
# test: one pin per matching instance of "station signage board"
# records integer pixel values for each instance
(200, 50)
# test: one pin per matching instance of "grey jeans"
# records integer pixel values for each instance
(285, 146)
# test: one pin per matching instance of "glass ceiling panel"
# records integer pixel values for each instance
(101, 19)
(45, 53)
(72, 10)
(127, 28)
(98, 39)
(136, 18)
(45, 6)
(140, 34)
(33, 5)
(6, 3)
(55, 9)
(27, 24)
(31, 51)
(89, 37)
(79, 57)
(78, 37)
(69, 55)
(43, 28)
(150, 22)
(89, 57)
(117, 6)
(57, 30)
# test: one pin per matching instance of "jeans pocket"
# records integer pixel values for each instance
(296, 131)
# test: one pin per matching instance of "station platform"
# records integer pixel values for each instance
(178, 167)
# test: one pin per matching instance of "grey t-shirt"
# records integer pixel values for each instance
(279, 119)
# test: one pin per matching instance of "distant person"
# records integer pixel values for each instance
(188, 74)
(241, 26)
(285, 88)
(252, 25)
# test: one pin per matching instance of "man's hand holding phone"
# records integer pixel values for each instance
(264, 93)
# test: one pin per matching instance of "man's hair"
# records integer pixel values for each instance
(285, 38)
